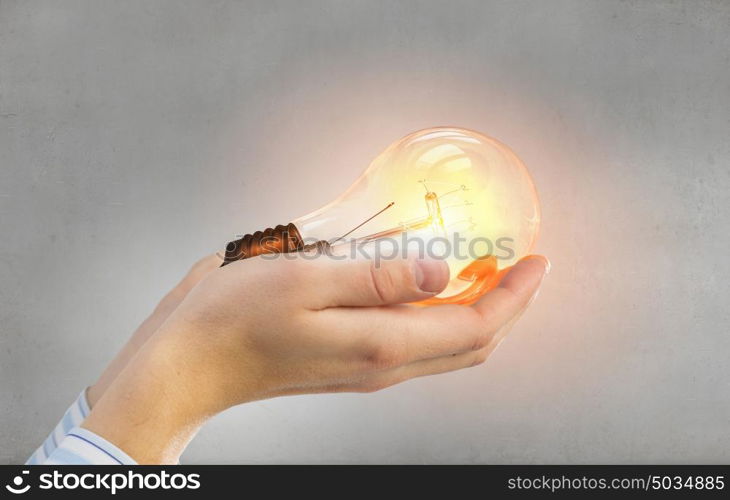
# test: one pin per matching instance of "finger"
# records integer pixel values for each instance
(514, 291)
(367, 282)
(498, 337)
(388, 337)
(195, 274)
(422, 368)
(442, 364)
(200, 270)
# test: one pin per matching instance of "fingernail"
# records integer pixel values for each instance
(545, 261)
(431, 275)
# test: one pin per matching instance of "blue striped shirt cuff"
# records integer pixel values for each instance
(83, 447)
(69, 444)
(73, 417)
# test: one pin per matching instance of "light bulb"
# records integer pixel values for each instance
(448, 192)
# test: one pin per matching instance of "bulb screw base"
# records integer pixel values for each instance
(279, 239)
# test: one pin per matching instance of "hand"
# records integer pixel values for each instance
(150, 325)
(263, 328)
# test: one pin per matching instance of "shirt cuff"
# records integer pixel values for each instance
(83, 447)
(75, 414)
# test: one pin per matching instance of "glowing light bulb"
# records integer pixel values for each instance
(447, 192)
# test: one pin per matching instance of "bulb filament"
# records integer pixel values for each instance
(434, 220)
(362, 224)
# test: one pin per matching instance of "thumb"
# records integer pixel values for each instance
(367, 282)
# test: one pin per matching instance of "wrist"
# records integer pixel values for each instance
(151, 410)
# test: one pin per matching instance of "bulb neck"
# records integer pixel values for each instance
(279, 239)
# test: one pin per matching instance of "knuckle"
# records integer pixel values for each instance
(383, 356)
(382, 284)
(481, 340)
(373, 386)
(480, 358)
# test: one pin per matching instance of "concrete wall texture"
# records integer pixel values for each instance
(127, 125)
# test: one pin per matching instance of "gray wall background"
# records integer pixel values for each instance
(125, 126)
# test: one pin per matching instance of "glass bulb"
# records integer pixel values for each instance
(447, 192)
